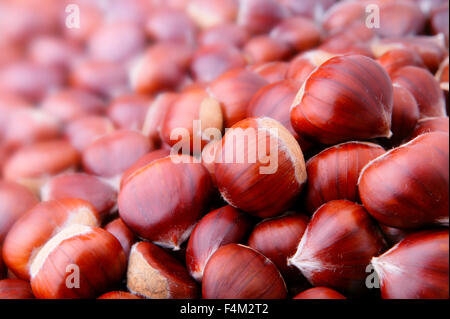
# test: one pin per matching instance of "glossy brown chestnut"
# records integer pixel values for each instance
(405, 114)
(347, 97)
(246, 171)
(272, 71)
(112, 154)
(209, 158)
(83, 186)
(407, 187)
(208, 14)
(395, 59)
(34, 229)
(333, 173)
(337, 246)
(162, 201)
(142, 162)
(179, 129)
(319, 293)
(15, 289)
(395, 235)
(404, 276)
(119, 295)
(15, 201)
(234, 90)
(83, 131)
(128, 111)
(425, 89)
(431, 124)
(298, 33)
(264, 48)
(220, 227)
(400, 19)
(88, 258)
(305, 63)
(154, 273)
(123, 234)
(277, 238)
(240, 272)
(342, 15)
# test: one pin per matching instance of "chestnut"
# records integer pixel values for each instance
(272, 71)
(394, 235)
(347, 97)
(407, 187)
(227, 34)
(81, 252)
(119, 295)
(404, 276)
(154, 273)
(2, 268)
(431, 124)
(337, 247)
(208, 14)
(211, 61)
(128, 111)
(439, 20)
(319, 293)
(240, 272)
(110, 155)
(34, 229)
(405, 114)
(245, 171)
(298, 33)
(395, 59)
(277, 238)
(264, 48)
(342, 15)
(425, 89)
(259, 16)
(163, 201)
(83, 186)
(123, 234)
(305, 63)
(220, 227)
(333, 173)
(15, 289)
(83, 131)
(308, 8)
(234, 90)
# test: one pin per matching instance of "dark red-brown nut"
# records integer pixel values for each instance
(83, 186)
(257, 155)
(334, 172)
(79, 262)
(425, 89)
(431, 124)
(347, 97)
(161, 67)
(407, 187)
(106, 78)
(395, 235)
(338, 245)
(2, 267)
(154, 273)
(15, 201)
(405, 114)
(163, 201)
(272, 71)
(277, 239)
(264, 48)
(416, 268)
(298, 33)
(305, 63)
(119, 295)
(220, 227)
(395, 59)
(224, 34)
(83, 131)
(208, 14)
(123, 234)
(439, 19)
(34, 229)
(116, 41)
(234, 90)
(32, 165)
(259, 16)
(129, 111)
(209, 62)
(188, 120)
(15, 289)
(110, 155)
(319, 293)
(69, 104)
(167, 24)
(240, 272)
(142, 162)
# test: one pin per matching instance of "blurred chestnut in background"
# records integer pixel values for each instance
(227, 34)
(263, 48)
(319, 293)
(422, 165)
(395, 59)
(272, 71)
(15, 289)
(298, 33)
(259, 16)
(119, 295)
(404, 276)
(129, 111)
(83, 131)
(208, 14)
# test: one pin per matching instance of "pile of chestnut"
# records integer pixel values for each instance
(95, 202)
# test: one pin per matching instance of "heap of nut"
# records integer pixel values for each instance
(100, 199)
